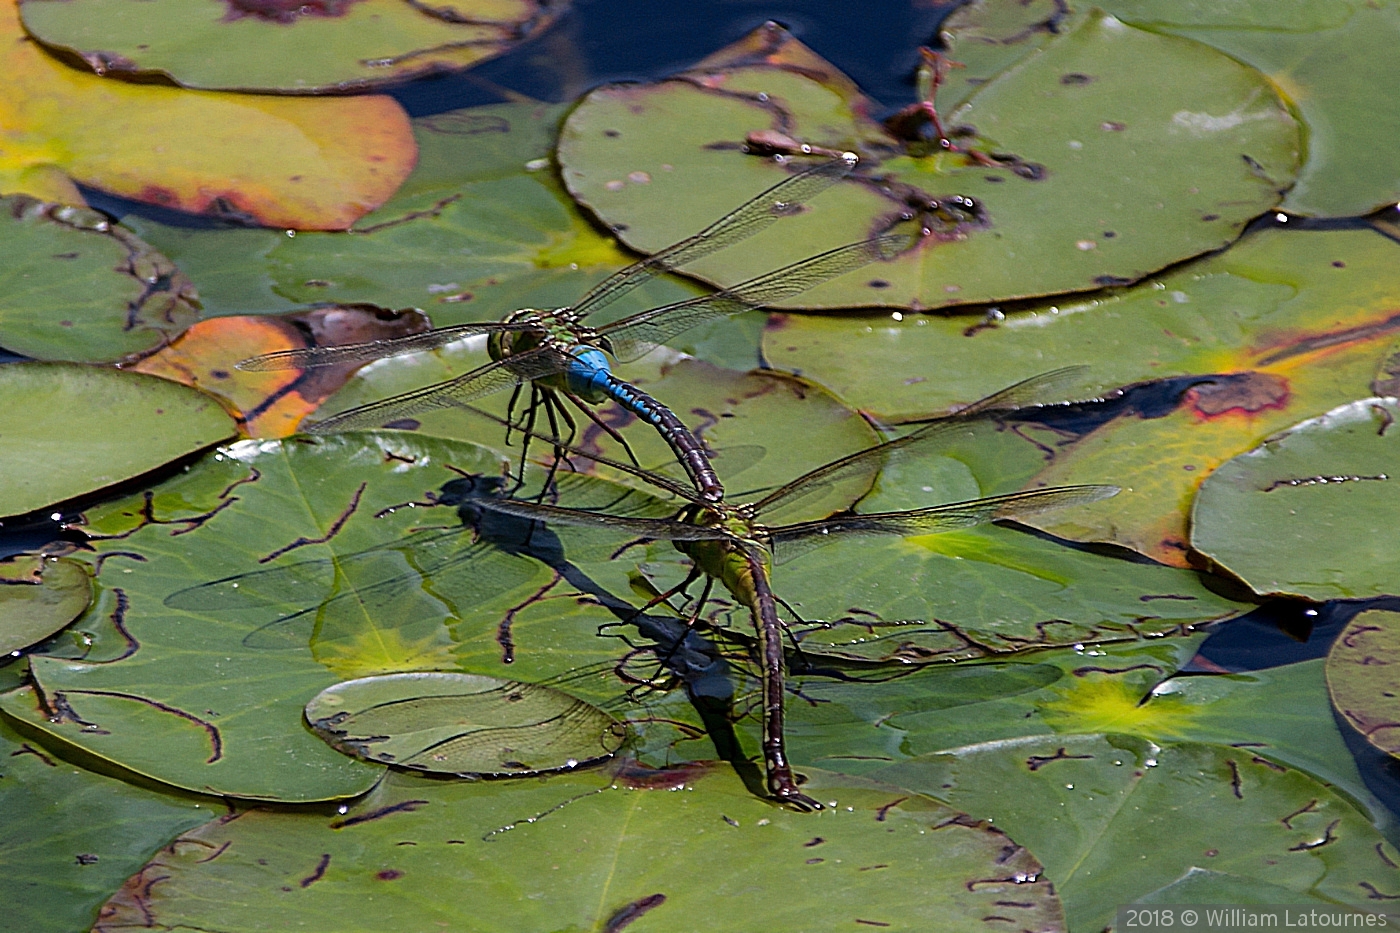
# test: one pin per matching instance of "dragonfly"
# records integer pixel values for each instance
(730, 545)
(558, 355)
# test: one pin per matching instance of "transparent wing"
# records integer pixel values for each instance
(309, 357)
(634, 336)
(789, 541)
(866, 464)
(784, 199)
(484, 380)
(664, 529)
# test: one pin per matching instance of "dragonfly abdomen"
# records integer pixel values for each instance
(688, 450)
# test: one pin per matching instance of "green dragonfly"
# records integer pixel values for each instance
(729, 544)
(558, 355)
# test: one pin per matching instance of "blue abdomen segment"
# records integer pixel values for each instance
(590, 378)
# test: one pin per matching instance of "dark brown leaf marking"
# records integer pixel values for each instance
(285, 12)
(334, 530)
(118, 620)
(216, 741)
(993, 918)
(1348, 639)
(254, 474)
(730, 820)
(1327, 839)
(815, 861)
(85, 858)
(147, 514)
(431, 212)
(874, 867)
(388, 874)
(1243, 393)
(1235, 785)
(884, 811)
(872, 923)
(1150, 597)
(504, 637)
(814, 841)
(1310, 808)
(215, 854)
(102, 559)
(1036, 762)
(1373, 894)
(1081, 671)
(1298, 346)
(623, 917)
(318, 872)
(407, 806)
(1380, 850)
(26, 749)
(1025, 905)
(1386, 418)
(1271, 765)
(1321, 481)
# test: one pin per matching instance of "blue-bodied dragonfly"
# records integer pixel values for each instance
(729, 544)
(557, 354)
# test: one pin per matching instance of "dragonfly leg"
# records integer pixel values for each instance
(607, 428)
(666, 596)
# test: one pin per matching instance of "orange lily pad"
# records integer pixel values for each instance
(272, 404)
(304, 164)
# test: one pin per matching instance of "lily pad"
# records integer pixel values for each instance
(76, 287)
(272, 404)
(56, 420)
(310, 165)
(38, 596)
(1086, 803)
(1363, 686)
(462, 724)
(270, 571)
(1330, 60)
(525, 857)
(1116, 152)
(283, 46)
(1308, 318)
(72, 835)
(1311, 512)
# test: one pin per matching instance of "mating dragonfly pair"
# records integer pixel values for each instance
(559, 357)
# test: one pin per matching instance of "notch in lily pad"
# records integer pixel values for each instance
(467, 725)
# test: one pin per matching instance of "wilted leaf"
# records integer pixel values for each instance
(307, 164)
(273, 403)
(1118, 152)
(462, 724)
(285, 45)
(57, 423)
(49, 593)
(76, 287)
(646, 850)
(1313, 511)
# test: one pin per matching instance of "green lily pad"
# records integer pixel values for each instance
(72, 836)
(38, 596)
(1087, 803)
(462, 724)
(1330, 61)
(270, 571)
(77, 287)
(581, 852)
(1131, 151)
(1359, 677)
(1311, 512)
(56, 420)
(283, 46)
(1307, 321)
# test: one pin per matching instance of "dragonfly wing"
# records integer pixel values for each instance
(864, 465)
(784, 199)
(632, 337)
(355, 353)
(659, 528)
(484, 380)
(791, 540)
